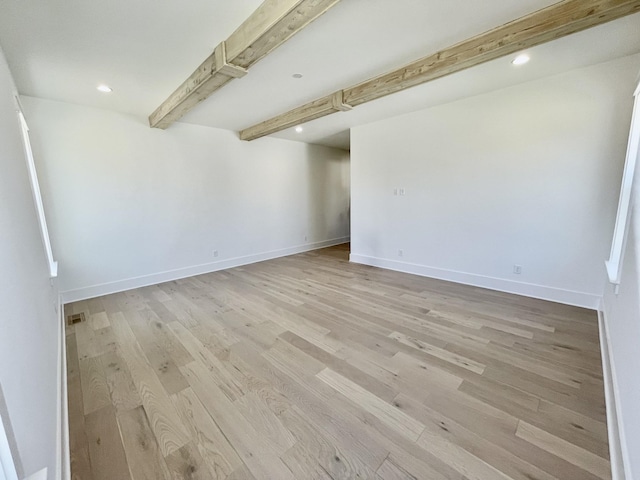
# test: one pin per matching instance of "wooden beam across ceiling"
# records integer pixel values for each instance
(272, 24)
(551, 23)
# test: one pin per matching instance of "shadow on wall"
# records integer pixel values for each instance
(328, 192)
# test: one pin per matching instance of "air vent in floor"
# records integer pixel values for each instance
(75, 318)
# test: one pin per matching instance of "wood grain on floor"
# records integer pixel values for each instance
(309, 367)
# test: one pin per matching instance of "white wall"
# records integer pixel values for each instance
(28, 321)
(129, 205)
(622, 317)
(527, 175)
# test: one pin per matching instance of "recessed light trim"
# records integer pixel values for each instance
(104, 88)
(299, 129)
(521, 59)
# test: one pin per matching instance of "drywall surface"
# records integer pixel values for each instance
(622, 317)
(129, 205)
(28, 321)
(528, 176)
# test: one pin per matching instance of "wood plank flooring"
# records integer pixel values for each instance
(309, 367)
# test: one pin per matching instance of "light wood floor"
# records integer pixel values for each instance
(308, 367)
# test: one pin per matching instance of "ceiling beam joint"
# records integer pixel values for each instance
(224, 68)
(337, 100)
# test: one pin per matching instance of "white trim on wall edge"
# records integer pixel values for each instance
(618, 451)
(155, 278)
(63, 465)
(568, 297)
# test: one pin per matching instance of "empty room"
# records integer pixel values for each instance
(319, 239)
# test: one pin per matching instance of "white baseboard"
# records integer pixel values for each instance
(63, 465)
(568, 297)
(155, 278)
(618, 451)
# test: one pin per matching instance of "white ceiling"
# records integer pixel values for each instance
(143, 49)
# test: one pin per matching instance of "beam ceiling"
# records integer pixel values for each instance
(272, 24)
(551, 23)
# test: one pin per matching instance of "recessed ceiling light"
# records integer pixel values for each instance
(297, 75)
(299, 129)
(104, 88)
(521, 59)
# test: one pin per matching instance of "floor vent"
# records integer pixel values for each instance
(75, 318)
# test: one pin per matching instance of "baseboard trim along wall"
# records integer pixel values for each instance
(618, 451)
(63, 466)
(568, 297)
(155, 278)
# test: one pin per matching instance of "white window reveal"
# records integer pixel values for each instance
(614, 264)
(37, 197)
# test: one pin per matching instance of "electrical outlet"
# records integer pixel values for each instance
(395, 191)
(517, 269)
(400, 253)
(305, 238)
(402, 192)
(215, 253)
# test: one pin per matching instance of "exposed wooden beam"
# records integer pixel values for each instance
(318, 108)
(273, 23)
(551, 23)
